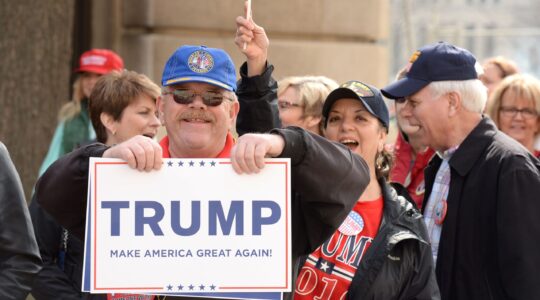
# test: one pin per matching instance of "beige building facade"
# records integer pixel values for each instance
(344, 40)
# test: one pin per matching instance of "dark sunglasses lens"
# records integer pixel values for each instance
(186, 97)
(212, 99)
(182, 97)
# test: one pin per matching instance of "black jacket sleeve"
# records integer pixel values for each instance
(19, 254)
(51, 282)
(62, 189)
(518, 227)
(327, 179)
(258, 102)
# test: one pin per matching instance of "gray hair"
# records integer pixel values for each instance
(473, 92)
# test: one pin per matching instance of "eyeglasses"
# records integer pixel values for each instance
(288, 105)
(526, 113)
(188, 96)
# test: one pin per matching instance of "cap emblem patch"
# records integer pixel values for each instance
(96, 60)
(414, 56)
(200, 62)
(359, 88)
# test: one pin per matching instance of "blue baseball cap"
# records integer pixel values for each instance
(370, 97)
(200, 64)
(436, 62)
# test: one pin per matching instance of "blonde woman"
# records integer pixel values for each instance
(300, 101)
(74, 125)
(515, 109)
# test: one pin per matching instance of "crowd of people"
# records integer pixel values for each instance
(450, 213)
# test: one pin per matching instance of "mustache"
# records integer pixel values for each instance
(197, 114)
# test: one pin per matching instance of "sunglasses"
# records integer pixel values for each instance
(188, 96)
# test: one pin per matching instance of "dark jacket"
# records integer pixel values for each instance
(490, 245)
(326, 180)
(258, 102)
(63, 256)
(398, 264)
(19, 254)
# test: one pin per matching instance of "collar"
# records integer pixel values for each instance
(447, 154)
(225, 152)
(473, 146)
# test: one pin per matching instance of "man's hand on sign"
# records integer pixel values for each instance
(248, 154)
(140, 152)
(256, 50)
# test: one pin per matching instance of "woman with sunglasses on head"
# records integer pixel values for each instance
(380, 251)
(515, 109)
(122, 105)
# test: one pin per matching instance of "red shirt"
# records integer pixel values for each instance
(225, 153)
(409, 171)
(329, 270)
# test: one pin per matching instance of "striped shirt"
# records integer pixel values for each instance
(436, 206)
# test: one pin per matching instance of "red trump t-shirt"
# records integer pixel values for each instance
(329, 270)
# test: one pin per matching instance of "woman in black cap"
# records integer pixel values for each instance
(381, 250)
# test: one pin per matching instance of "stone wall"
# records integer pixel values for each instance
(343, 39)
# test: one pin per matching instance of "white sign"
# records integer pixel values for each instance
(195, 226)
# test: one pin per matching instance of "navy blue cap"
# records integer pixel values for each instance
(200, 64)
(437, 62)
(370, 97)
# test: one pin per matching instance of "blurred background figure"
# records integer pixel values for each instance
(515, 109)
(74, 125)
(300, 101)
(495, 70)
(19, 255)
(410, 153)
(122, 105)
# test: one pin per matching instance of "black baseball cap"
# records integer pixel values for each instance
(370, 97)
(436, 62)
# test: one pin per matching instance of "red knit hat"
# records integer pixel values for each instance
(100, 61)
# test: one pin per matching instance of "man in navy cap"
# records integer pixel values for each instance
(198, 107)
(482, 187)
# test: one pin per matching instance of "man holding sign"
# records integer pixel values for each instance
(198, 107)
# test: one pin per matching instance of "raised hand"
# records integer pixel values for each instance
(256, 41)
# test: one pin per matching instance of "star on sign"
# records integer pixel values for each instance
(180, 163)
(324, 266)
(169, 287)
(169, 163)
(201, 287)
(213, 287)
(191, 287)
(180, 287)
(191, 163)
(201, 163)
(213, 163)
